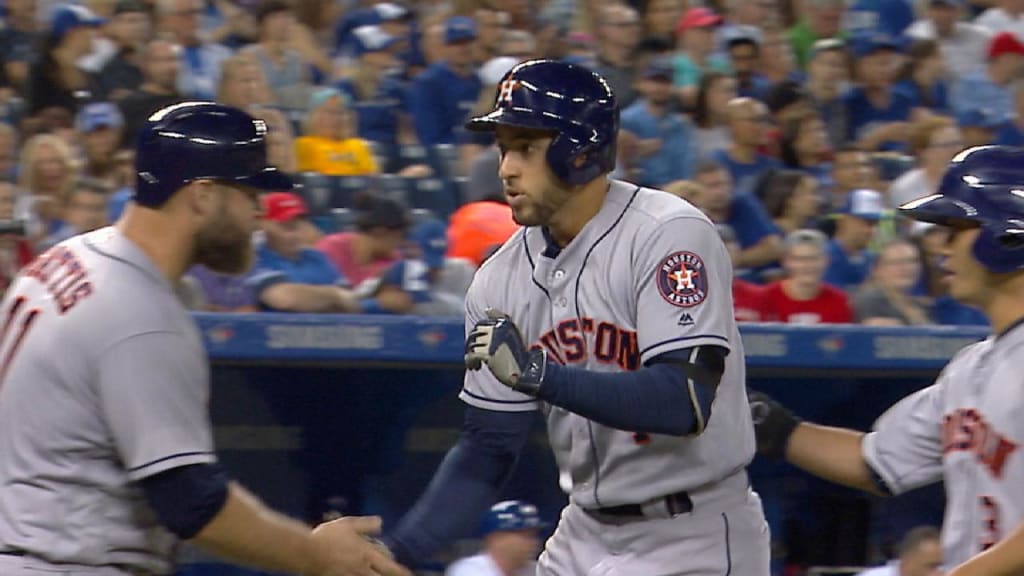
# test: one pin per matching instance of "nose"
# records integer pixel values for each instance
(508, 166)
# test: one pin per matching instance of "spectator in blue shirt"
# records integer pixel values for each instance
(377, 98)
(441, 97)
(849, 259)
(989, 88)
(890, 17)
(743, 46)
(827, 73)
(759, 239)
(878, 114)
(749, 122)
(658, 145)
(1011, 133)
(924, 77)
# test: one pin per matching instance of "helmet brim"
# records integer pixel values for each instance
(940, 209)
(269, 179)
(504, 117)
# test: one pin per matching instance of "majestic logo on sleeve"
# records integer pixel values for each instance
(682, 279)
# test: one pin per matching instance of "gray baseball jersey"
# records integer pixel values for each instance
(965, 429)
(103, 382)
(647, 275)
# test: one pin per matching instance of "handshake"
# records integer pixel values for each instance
(349, 547)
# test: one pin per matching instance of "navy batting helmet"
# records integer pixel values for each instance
(202, 140)
(983, 186)
(511, 515)
(570, 101)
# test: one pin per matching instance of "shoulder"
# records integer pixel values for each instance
(502, 258)
(830, 292)
(653, 208)
(315, 257)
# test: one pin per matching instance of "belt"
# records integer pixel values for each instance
(675, 504)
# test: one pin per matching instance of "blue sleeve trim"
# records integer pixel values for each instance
(495, 401)
(171, 457)
(683, 339)
(187, 498)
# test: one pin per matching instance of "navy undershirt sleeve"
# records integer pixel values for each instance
(464, 486)
(186, 498)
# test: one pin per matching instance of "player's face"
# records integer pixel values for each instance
(532, 191)
(966, 277)
(224, 240)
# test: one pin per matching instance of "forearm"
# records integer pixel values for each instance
(1004, 559)
(831, 453)
(247, 532)
(653, 399)
(288, 297)
(764, 252)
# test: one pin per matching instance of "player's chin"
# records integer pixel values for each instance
(525, 215)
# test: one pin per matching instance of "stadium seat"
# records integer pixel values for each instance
(344, 219)
(420, 215)
(433, 194)
(346, 189)
(392, 186)
(446, 160)
(318, 192)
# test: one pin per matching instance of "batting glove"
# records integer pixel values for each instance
(773, 424)
(497, 342)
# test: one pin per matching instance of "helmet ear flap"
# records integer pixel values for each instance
(1000, 246)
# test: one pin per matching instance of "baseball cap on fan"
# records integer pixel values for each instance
(865, 204)
(67, 17)
(96, 115)
(459, 29)
(283, 207)
(371, 38)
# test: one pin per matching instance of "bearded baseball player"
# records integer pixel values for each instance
(611, 313)
(966, 428)
(106, 451)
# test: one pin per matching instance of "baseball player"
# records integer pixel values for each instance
(510, 534)
(966, 428)
(106, 451)
(611, 313)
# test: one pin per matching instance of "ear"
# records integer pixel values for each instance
(201, 197)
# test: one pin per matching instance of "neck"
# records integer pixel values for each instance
(159, 239)
(614, 54)
(579, 209)
(273, 47)
(655, 108)
(363, 249)
(807, 158)
(845, 244)
(742, 153)
(788, 224)
(1006, 307)
(154, 88)
(64, 56)
(821, 91)
(798, 290)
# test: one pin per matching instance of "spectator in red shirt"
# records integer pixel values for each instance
(381, 224)
(746, 296)
(802, 297)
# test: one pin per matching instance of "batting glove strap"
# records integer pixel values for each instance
(773, 424)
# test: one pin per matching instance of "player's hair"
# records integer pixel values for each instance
(917, 536)
(707, 166)
(922, 132)
(805, 237)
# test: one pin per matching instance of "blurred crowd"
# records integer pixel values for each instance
(797, 126)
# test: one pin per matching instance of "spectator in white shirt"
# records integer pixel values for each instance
(933, 141)
(963, 44)
(1004, 16)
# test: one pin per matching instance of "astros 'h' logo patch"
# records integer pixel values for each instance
(505, 91)
(682, 279)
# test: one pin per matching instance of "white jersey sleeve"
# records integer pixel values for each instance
(154, 397)
(905, 447)
(481, 388)
(683, 288)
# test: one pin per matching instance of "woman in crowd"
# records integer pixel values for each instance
(381, 225)
(804, 146)
(243, 84)
(791, 199)
(46, 175)
(889, 299)
(923, 77)
(714, 92)
(55, 79)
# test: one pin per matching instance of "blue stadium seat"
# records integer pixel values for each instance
(420, 215)
(318, 192)
(346, 189)
(445, 157)
(392, 186)
(434, 194)
(344, 219)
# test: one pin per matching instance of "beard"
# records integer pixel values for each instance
(539, 212)
(224, 246)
